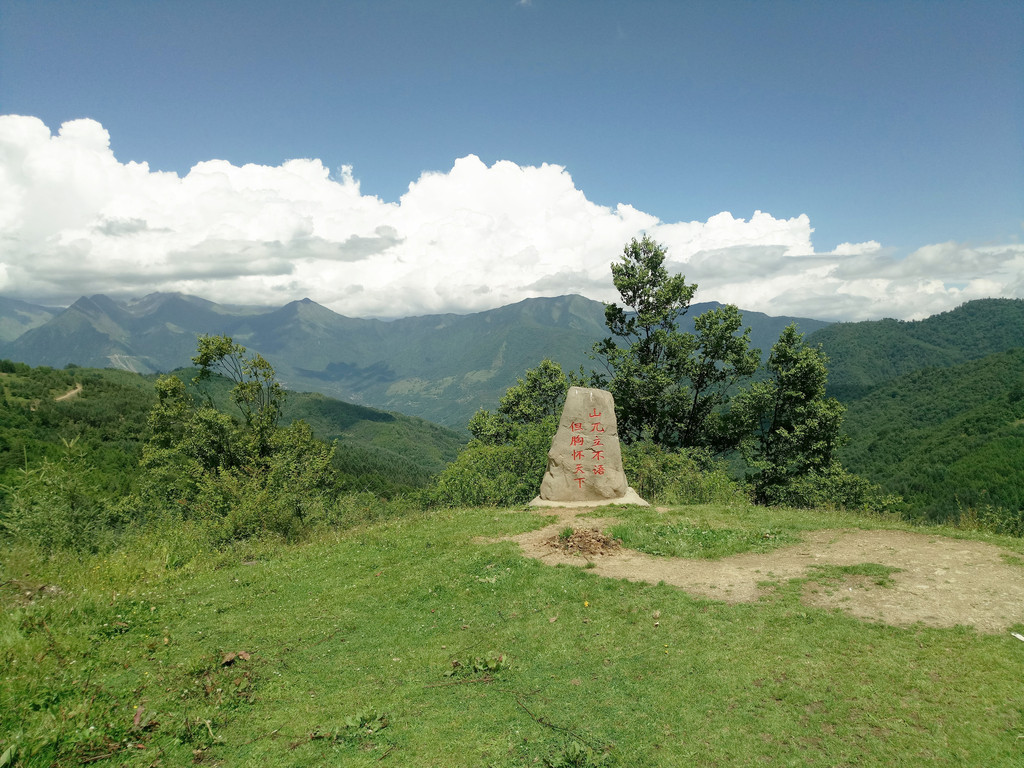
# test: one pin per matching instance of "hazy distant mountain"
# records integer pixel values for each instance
(440, 367)
(155, 333)
(16, 317)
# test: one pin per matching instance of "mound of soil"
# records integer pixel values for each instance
(584, 541)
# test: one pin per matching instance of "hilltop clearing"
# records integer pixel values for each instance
(896, 577)
(429, 639)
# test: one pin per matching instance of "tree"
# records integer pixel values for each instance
(257, 393)
(505, 461)
(788, 428)
(669, 385)
(721, 359)
(531, 400)
(239, 479)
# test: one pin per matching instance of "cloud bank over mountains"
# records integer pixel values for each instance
(74, 220)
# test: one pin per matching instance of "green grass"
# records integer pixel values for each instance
(830, 575)
(684, 539)
(352, 639)
(713, 531)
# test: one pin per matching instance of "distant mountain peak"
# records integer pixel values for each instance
(153, 302)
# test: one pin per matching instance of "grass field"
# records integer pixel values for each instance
(419, 641)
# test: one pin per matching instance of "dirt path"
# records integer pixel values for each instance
(943, 582)
(70, 393)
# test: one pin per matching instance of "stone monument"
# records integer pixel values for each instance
(585, 461)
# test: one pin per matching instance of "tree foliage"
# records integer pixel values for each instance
(669, 386)
(531, 400)
(787, 427)
(256, 390)
(240, 479)
(504, 463)
(697, 391)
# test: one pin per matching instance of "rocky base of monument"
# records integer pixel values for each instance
(631, 497)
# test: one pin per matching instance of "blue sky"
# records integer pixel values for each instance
(893, 123)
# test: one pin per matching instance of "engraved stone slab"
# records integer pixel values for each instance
(585, 461)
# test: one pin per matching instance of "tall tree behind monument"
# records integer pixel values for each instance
(670, 385)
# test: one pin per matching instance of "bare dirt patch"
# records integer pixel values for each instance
(942, 582)
(73, 392)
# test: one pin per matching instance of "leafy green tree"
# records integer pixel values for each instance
(787, 427)
(241, 480)
(531, 400)
(667, 384)
(504, 463)
(257, 393)
(721, 358)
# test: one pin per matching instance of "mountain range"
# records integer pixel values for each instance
(438, 367)
(935, 407)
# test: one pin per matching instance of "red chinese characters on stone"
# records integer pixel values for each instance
(585, 450)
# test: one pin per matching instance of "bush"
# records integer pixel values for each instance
(832, 487)
(502, 475)
(55, 506)
(683, 476)
(1007, 522)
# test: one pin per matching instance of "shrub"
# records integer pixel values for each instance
(996, 519)
(831, 486)
(683, 476)
(502, 475)
(56, 506)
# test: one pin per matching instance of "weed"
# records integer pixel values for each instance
(355, 728)
(576, 755)
(488, 666)
(881, 575)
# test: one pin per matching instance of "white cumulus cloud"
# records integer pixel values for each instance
(74, 220)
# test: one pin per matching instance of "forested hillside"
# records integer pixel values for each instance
(866, 354)
(44, 416)
(97, 419)
(946, 439)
